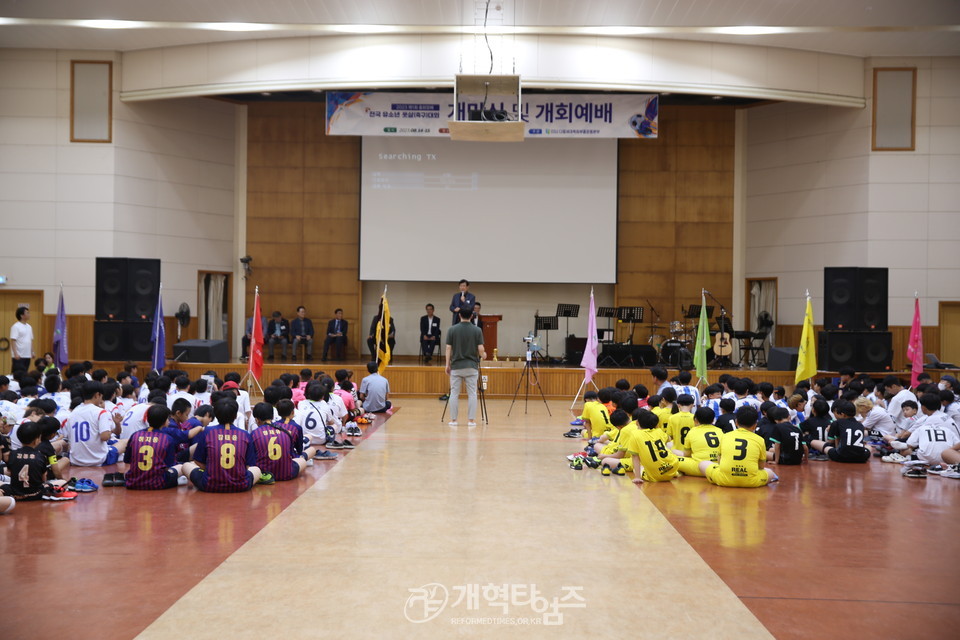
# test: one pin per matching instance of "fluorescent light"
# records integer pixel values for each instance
(747, 30)
(112, 24)
(236, 26)
(363, 28)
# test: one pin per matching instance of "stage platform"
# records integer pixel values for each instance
(503, 378)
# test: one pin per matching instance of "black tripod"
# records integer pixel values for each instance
(481, 399)
(529, 369)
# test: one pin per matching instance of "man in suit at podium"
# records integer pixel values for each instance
(475, 318)
(463, 299)
(336, 336)
(429, 333)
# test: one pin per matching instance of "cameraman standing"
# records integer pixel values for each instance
(464, 353)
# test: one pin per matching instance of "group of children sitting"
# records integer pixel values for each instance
(732, 430)
(170, 431)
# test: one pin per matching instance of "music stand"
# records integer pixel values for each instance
(632, 315)
(608, 313)
(693, 311)
(548, 324)
(568, 311)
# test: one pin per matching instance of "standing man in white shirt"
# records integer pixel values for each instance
(21, 340)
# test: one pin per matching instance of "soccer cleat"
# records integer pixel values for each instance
(915, 472)
(894, 457)
(58, 494)
(577, 463)
(605, 471)
(593, 462)
(267, 478)
(577, 423)
(573, 433)
(620, 471)
(325, 455)
(85, 485)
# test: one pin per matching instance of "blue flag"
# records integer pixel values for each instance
(60, 352)
(158, 337)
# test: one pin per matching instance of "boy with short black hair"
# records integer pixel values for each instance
(90, 428)
(680, 423)
(28, 470)
(844, 441)
(742, 456)
(726, 421)
(151, 452)
(652, 459)
(225, 459)
(702, 443)
(277, 446)
(787, 438)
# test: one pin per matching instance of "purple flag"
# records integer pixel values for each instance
(159, 337)
(60, 352)
(589, 361)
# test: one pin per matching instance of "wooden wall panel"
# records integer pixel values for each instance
(303, 210)
(675, 231)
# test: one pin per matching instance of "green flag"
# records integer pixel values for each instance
(703, 342)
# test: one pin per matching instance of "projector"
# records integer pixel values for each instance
(487, 125)
(488, 115)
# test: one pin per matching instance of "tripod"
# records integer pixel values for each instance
(529, 370)
(481, 399)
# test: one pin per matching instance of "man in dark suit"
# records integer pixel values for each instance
(278, 330)
(248, 337)
(336, 336)
(463, 299)
(302, 331)
(429, 333)
(371, 339)
(475, 318)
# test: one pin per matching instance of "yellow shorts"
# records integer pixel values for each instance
(721, 479)
(690, 467)
(666, 476)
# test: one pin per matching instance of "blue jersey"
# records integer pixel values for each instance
(225, 452)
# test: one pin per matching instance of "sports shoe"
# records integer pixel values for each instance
(592, 461)
(325, 455)
(894, 457)
(452, 423)
(267, 478)
(936, 469)
(357, 432)
(58, 494)
(334, 445)
(347, 444)
(915, 472)
(573, 433)
(590, 451)
(620, 471)
(950, 472)
(577, 463)
(85, 485)
(70, 484)
(577, 423)
(605, 471)
(471, 423)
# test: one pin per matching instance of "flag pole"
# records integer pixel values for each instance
(158, 320)
(583, 383)
(248, 377)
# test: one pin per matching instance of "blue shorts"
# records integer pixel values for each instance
(199, 479)
(113, 456)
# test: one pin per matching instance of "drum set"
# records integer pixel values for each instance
(676, 350)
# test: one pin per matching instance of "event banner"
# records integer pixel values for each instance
(376, 113)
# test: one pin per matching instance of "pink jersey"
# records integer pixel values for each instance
(347, 398)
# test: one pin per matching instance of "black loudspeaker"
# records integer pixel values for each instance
(863, 350)
(122, 341)
(782, 359)
(855, 298)
(127, 289)
(202, 351)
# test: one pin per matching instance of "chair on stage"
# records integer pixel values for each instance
(754, 347)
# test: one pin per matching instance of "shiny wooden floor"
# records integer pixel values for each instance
(367, 547)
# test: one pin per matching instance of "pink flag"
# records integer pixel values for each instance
(915, 346)
(589, 361)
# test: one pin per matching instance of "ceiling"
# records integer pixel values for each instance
(865, 28)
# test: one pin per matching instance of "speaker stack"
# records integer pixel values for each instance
(126, 300)
(855, 302)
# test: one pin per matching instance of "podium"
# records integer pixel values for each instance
(490, 333)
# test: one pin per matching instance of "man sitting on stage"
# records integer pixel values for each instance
(429, 333)
(336, 336)
(302, 331)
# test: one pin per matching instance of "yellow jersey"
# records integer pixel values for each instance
(703, 443)
(595, 418)
(741, 452)
(664, 414)
(650, 445)
(678, 426)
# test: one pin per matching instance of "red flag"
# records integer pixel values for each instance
(256, 340)
(915, 346)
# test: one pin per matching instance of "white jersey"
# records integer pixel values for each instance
(11, 412)
(123, 405)
(201, 399)
(895, 408)
(135, 419)
(84, 427)
(880, 421)
(681, 389)
(936, 434)
(748, 401)
(143, 394)
(244, 401)
(189, 397)
(338, 406)
(313, 418)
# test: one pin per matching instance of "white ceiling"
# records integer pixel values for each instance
(855, 27)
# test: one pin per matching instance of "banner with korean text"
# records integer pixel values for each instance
(554, 115)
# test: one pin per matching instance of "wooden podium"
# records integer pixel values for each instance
(490, 333)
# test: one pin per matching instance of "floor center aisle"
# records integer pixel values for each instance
(431, 531)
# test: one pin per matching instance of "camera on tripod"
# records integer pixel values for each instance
(532, 342)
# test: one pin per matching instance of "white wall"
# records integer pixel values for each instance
(515, 302)
(818, 196)
(162, 189)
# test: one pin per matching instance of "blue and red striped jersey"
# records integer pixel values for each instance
(226, 452)
(274, 451)
(150, 453)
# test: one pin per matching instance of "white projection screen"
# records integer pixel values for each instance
(535, 211)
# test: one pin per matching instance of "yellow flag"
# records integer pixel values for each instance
(383, 334)
(807, 357)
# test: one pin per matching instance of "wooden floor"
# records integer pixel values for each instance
(369, 546)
